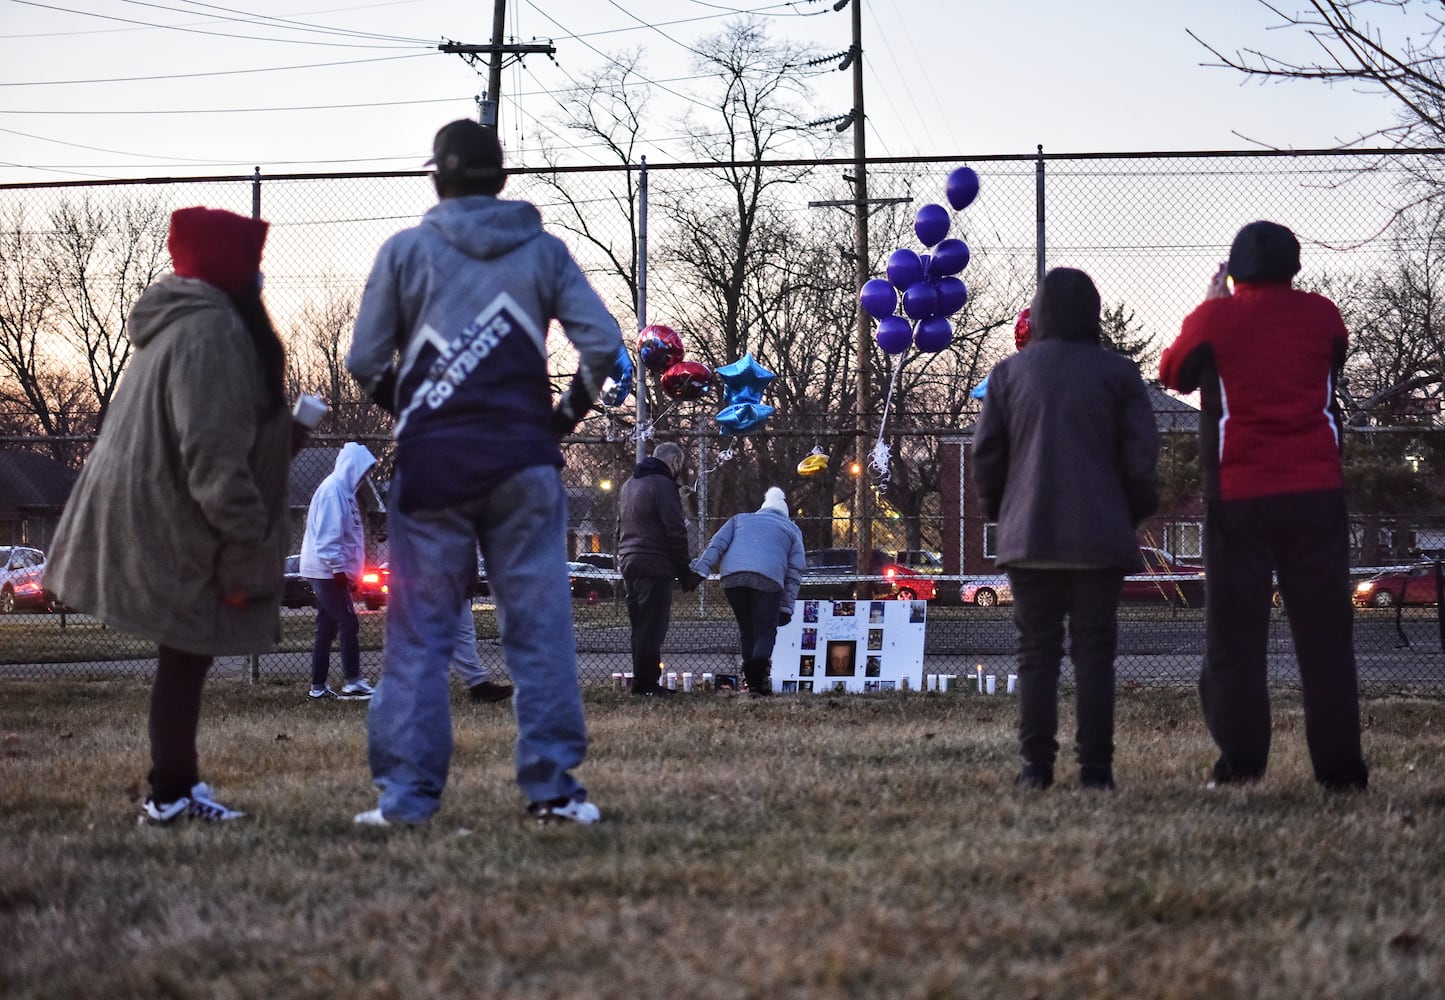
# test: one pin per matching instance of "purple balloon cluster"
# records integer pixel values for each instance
(927, 285)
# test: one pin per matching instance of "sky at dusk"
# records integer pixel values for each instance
(123, 88)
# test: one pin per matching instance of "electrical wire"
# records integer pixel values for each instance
(221, 72)
(109, 31)
(247, 17)
(198, 31)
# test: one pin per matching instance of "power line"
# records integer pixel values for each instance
(248, 18)
(222, 72)
(197, 31)
(110, 31)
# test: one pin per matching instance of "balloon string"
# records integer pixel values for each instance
(888, 403)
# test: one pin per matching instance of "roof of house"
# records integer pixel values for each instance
(30, 481)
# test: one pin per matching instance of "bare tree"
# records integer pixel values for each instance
(316, 363)
(101, 259)
(1389, 45)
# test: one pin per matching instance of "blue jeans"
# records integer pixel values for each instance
(334, 614)
(521, 525)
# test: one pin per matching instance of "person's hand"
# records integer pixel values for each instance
(784, 617)
(300, 434)
(691, 581)
(342, 578)
(1219, 284)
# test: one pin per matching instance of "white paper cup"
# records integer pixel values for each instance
(309, 410)
(672, 680)
(687, 680)
(945, 682)
(617, 680)
(991, 683)
(707, 681)
(1013, 683)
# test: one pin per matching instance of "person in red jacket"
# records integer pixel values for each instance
(1266, 360)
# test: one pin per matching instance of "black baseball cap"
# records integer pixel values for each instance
(467, 150)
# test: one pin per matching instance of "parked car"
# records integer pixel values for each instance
(602, 560)
(922, 561)
(1411, 585)
(986, 591)
(832, 574)
(1161, 577)
(371, 589)
(22, 580)
(593, 582)
(296, 592)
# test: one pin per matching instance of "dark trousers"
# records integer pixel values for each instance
(335, 614)
(1304, 538)
(1089, 599)
(649, 609)
(175, 715)
(757, 615)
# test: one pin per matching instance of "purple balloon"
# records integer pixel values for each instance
(931, 224)
(920, 301)
(952, 294)
(904, 268)
(933, 334)
(895, 335)
(949, 257)
(962, 188)
(878, 298)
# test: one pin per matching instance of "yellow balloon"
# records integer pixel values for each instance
(813, 464)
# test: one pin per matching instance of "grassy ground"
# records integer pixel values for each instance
(800, 847)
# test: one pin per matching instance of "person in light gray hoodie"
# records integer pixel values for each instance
(333, 555)
(1064, 455)
(760, 557)
(451, 336)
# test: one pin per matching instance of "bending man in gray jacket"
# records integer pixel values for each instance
(761, 560)
(1064, 456)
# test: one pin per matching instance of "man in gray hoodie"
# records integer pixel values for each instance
(1064, 455)
(451, 337)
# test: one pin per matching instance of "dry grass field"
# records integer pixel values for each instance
(824, 846)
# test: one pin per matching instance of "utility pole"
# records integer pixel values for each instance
(491, 100)
(862, 487)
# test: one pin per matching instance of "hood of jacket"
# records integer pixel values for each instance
(1066, 307)
(169, 300)
(484, 227)
(353, 462)
(650, 466)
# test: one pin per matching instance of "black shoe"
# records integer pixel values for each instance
(654, 692)
(489, 691)
(1035, 776)
(1225, 774)
(1096, 776)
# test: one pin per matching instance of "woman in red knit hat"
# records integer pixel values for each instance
(190, 472)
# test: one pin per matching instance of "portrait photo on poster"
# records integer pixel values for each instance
(842, 659)
(805, 666)
(875, 612)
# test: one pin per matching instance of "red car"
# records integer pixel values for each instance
(372, 588)
(1414, 585)
(906, 584)
(1160, 577)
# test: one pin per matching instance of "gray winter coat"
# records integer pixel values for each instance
(1064, 454)
(183, 498)
(762, 542)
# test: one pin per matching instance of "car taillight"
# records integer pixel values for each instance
(370, 577)
(890, 572)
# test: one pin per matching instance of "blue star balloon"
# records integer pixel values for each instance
(743, 381)
(621, 376)
(743, 417)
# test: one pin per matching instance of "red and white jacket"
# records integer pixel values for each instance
(1265, 360)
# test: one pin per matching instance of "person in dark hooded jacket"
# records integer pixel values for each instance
(1065, 457)
(1266, 360)
(651, 553)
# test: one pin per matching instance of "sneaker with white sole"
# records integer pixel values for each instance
(373, 817)
(200, 804)
(323, 694)
(357, 690)
(564, 811)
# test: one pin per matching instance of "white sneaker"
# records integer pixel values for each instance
(564, 811)
(357, 690)
(372, 817)
(200, 804)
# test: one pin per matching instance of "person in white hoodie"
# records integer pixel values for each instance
(333, 554)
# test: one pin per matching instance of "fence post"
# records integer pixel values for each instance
(1039, 214)
(641, 383)
(702, 535)
(255, 663)
(256, 194)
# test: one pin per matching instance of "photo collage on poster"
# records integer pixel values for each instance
(851, 646)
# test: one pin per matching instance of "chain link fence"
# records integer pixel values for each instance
(1149, 228)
